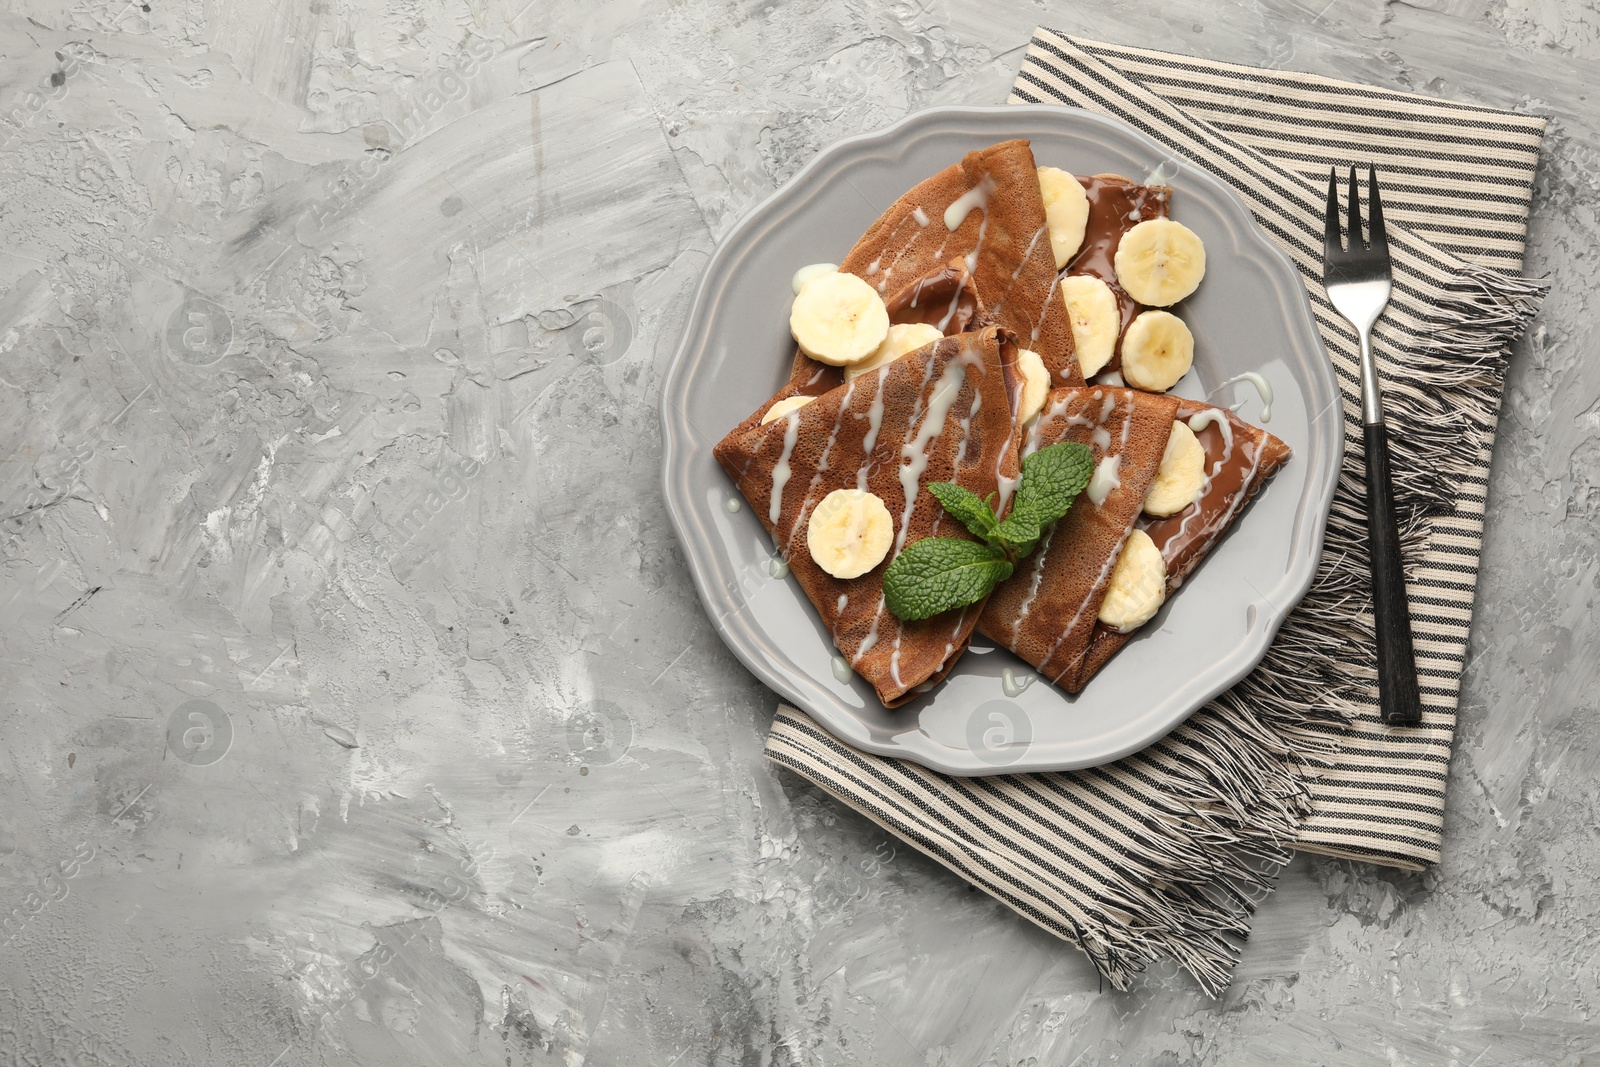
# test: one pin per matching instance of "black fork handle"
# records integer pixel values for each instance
(1398, 698)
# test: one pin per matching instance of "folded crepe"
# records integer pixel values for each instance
(1046, 611)
(1001, 238)
(942, 413)
(945, 297)
(1116, 205)
(1239, 460)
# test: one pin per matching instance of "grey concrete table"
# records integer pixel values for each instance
(356, 706)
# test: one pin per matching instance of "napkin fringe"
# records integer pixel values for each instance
(1448, 390)
(1223, 797)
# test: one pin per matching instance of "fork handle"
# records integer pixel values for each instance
(1398, 699)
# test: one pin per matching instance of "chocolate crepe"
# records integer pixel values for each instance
(1116, 205)
(1239, 460)
(944, 297)
(949, 406)
(1046, 611)
(1002, 239)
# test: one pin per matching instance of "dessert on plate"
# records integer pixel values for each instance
(838, 482)
(939, 463)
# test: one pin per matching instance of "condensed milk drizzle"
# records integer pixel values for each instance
(822, 465)
(974, 199)
(1263, 388)
(929, 421)
(1077, 616)
(780, 471)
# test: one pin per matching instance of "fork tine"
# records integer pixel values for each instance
(1355, 212)
(1330, 218)
(1380, 239)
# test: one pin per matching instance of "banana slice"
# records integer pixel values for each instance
(1138, 585)
(839, 319)
(1035, 384)
(849, 532)
(1181, 476)
(784, 406)
(1157, 350)
(1096, 320)
(1066, 212)
(1159, 262)
(903, 337)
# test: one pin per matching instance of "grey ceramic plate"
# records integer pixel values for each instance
(1250, 314)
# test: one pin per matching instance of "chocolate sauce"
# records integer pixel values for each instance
(1116, 205)
(1232, 474)
(942, 298)
(811, 377)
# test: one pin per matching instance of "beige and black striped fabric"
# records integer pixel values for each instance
(1162, 853)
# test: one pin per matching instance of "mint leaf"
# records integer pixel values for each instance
(976, 515)
(1052, 478)
(937, 574)
(1020, 531)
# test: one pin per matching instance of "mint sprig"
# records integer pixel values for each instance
(938, 574)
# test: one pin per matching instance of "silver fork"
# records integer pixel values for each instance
(1358, 280)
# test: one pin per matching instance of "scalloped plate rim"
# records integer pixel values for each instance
(802, 690)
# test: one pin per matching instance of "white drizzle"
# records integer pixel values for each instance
(1027, 254)
(1107, 406)
(1198, 422)
(1044, 310)
(1213, 417)
(877, 616)
(974, 199)
(874, 423)
(1040, 554)
(872, 268)
(1263, 387)
(872, 636)
(950, 312)
(971, 259)
(914, 453)
(1004, 485)
(914, 459)
(920, 215)
(844, 598)
(961, 451)
(1105, 572)
(812, 270)
(955, 633)
(1012, 685)
(780, 471)
(1110, 377)
(1106, 477)
(1163, 173)
(1102, 438)
(822, 466)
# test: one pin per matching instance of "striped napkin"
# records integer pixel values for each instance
(1164, 854)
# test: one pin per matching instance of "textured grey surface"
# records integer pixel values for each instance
(330, 341)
